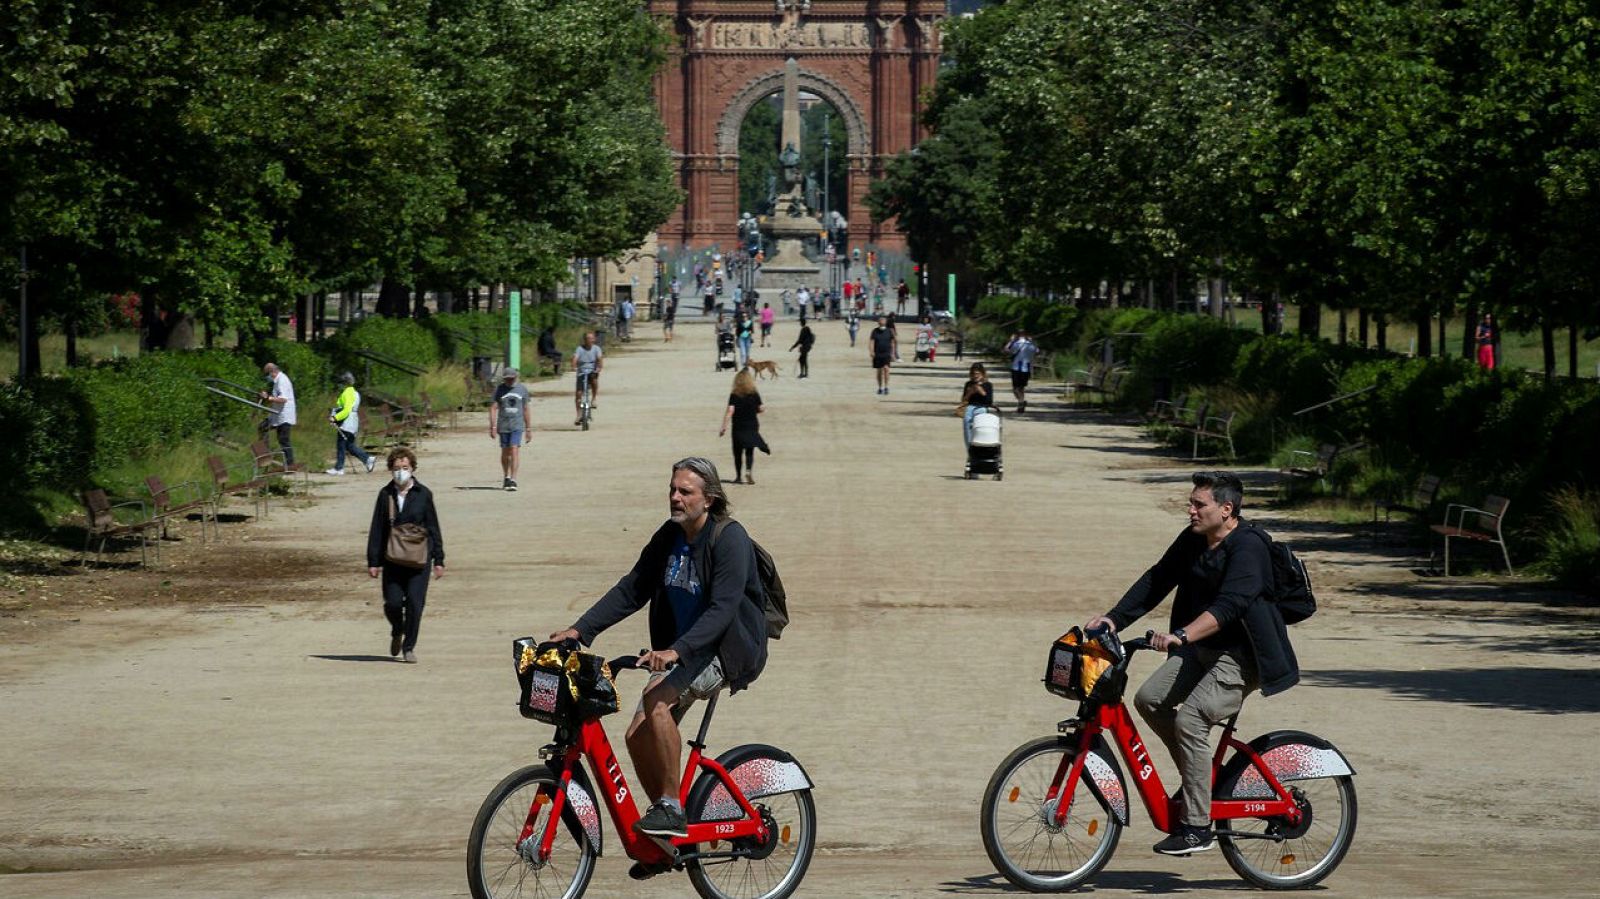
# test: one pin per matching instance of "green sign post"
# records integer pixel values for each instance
(950, 293)
(514, 344)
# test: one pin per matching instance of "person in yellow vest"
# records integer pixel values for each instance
(347, 419)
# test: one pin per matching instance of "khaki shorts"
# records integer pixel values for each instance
(704, 686)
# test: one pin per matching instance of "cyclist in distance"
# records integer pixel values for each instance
(699, 578)
(1225, 638)
(587, 359)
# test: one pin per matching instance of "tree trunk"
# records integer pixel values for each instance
(1268, 307)
(150, 336)
(1424, 335)
(70, 326)
(472, 303)
(211, 335)
(1344, 326)
(1362, 319)
(1383, 331)
(1172, 292)
(302, 315)
(1443, 340)
(419, 302)
(1572, 352)
(1310, 319)
(1469, 333)
(392, 298)
(272, 316)
(1214, 297)
(1547, 334)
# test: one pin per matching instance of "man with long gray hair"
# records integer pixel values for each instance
(707, 629)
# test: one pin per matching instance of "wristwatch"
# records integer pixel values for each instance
(1183, 637)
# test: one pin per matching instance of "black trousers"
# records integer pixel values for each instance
(283, 443)
(744, 457)
(805, 367)
(405, 591)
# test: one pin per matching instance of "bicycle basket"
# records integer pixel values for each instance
(1086, 668)
(560, 686)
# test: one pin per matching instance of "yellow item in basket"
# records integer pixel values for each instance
(1094, 660)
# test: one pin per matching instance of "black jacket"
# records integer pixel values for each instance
(733, 626)
(1230, 582)
(418, 510)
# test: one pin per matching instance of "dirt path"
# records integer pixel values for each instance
(262, 744)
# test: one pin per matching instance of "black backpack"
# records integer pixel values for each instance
(1291, 583)
(776, 602)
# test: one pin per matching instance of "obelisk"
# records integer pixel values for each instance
(791, 223)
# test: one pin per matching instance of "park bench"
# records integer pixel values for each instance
(1168, 410)
(223, 486)
(479, 392)
(1312, 466)
(1213, 427)
(390, 426)
(1422, 497)
(100, 520)
(428, 405)
(169, 504)
(1485, 527)
(1096, 379)
(272, 465)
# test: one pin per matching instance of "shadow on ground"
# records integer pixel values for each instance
(1549, 691)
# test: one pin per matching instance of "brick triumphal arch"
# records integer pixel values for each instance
(870, 59)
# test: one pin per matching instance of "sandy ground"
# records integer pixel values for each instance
(231, 725)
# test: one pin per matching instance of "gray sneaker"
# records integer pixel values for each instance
(371, 464)
(663, 820)
(410, 658)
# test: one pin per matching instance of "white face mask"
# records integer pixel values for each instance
(401, 476)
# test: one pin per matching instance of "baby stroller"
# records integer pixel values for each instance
(726, 356)
(983, 453)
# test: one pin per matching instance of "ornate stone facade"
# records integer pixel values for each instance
(870, 59)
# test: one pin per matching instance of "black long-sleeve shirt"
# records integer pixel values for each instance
(1224, 581)
(418, 509)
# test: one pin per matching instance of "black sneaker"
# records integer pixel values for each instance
(643, 871)
(1187, 841)
(663, 821)
(511, 485)
(505, 483)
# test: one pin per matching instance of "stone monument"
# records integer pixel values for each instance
(791, 223)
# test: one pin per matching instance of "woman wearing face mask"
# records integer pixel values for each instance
(403, 500)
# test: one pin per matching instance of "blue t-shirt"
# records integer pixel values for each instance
(683, 586)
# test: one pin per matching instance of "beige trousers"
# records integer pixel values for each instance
(1194, 690)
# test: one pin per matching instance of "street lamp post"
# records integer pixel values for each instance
(22, 321)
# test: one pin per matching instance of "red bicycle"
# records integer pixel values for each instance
(1055, 808)
(538, 831)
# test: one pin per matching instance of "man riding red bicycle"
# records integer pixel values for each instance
(1226, 639)
(707, 630)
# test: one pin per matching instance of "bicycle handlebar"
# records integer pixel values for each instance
(620, 663)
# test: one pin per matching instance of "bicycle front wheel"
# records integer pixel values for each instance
(502, 865)
(1018, 821)
(1276, 856)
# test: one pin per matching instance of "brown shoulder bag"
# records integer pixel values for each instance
(408, 543)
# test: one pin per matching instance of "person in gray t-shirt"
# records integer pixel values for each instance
(587, 360)
(511, 423)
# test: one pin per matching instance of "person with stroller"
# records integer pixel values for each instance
(744, 405)
(977, 395)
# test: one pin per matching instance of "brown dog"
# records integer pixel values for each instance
(770, 368)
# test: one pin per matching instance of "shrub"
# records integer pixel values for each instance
(1569, 539)
(401, 338)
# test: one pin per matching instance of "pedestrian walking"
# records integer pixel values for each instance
(404, 546)
(767, 316)
(668, 319)
(1487, 336)
(709, 298)
(346, 420)
(902, 293)
(852, 321)
(1021, 349)
(280, 396)
(511, 423)
(977, 395)
(804, 342)
(884, 349)
(744, 407)
(625, 314)
(744, 331)
(803, 297)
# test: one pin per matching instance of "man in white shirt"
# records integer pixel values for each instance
(1021, 349)
(803, 297)
(280, 396)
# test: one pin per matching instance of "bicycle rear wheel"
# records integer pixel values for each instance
(773, 869)
(1019, 830)
(501, 867)
(1292, 858)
